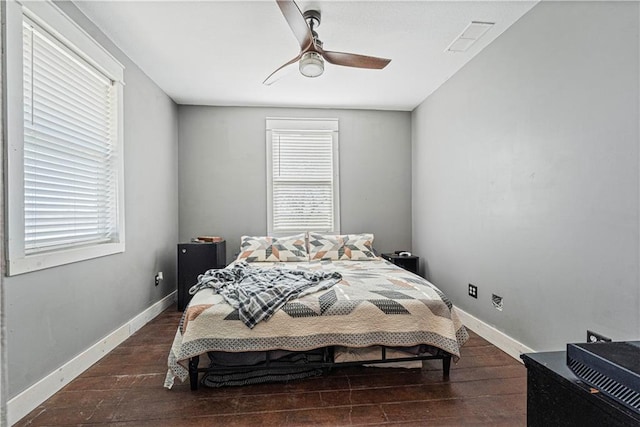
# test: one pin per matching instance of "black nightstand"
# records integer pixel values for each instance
(410, 262)
(193, 260)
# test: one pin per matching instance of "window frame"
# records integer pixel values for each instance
(47, 15)
(293, 124)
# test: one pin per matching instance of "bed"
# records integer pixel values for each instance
(375, 312)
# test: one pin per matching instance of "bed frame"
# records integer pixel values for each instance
(326, 364)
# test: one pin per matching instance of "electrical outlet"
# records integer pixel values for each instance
(497, 301)
(473, 291)
(159, 277)
(595, 337)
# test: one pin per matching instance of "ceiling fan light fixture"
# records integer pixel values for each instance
(311, 64)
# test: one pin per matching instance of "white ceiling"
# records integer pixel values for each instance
(218, 53)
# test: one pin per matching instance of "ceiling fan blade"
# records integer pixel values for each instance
(354, 60)
(280, 72)
(297, 23)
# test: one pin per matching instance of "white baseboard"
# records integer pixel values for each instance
(29, 399)
(501, 340)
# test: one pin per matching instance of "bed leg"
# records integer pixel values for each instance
(193, 371)
(446, 366)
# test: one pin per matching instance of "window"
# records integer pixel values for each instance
(64, 122)
(302, 176)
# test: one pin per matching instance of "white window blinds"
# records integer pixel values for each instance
(303, 176)
(70, 172)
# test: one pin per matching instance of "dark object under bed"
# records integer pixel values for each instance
(292, 366)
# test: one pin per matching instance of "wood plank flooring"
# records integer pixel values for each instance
(125, 388)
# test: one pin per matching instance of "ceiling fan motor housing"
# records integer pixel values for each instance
(312, 16)
(313, 20)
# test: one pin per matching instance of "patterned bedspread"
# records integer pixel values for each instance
(375, 303)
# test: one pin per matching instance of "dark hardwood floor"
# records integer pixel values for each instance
(125, 388)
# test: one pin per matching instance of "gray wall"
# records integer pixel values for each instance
(222, 167)
(3, 332)
(525, 176)
(52, 315)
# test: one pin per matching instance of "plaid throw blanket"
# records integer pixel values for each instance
(257, 293)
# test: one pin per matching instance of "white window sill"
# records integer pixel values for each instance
(29, 263)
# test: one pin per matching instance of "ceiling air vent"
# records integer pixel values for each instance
(469, 36)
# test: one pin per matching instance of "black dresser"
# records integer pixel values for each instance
(556, 397)
(193, 260)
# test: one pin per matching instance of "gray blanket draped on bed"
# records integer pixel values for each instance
(257, 293)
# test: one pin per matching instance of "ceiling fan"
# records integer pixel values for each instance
(312, 55)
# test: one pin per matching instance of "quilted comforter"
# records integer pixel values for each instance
(375, 303)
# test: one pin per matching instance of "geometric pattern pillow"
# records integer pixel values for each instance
(290, 248)
(354, 247)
